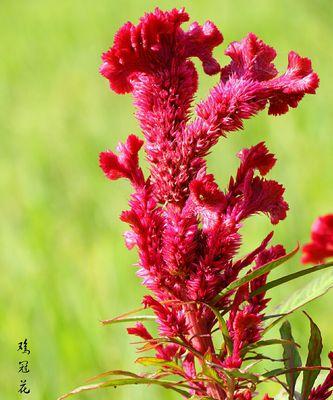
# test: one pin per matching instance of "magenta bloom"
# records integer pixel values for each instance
(152, 61)
(186, 228)
(321, 245)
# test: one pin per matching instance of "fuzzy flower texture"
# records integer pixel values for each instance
(185, 227)
(320, 247)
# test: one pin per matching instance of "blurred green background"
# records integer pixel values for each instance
(64, 263)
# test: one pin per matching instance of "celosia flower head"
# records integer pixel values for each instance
(185, 227)
(152, 60)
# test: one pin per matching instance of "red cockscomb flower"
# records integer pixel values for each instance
(186, 228)
(321, 245)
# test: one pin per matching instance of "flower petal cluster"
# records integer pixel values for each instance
(320, 246)
(152, 60)
(186, 228)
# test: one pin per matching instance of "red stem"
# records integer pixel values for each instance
(202, 342)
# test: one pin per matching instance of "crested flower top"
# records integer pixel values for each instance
(152, 60)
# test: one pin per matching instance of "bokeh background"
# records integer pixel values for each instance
(64, 264)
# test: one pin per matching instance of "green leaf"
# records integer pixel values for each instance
(281, 371)
(231, 372)
(287, 278)
(158, 362)
(254, 274)
(210, 372)
(269, 342)
(311, 291)
(298, 299)
(122, 316)
(247, 376)
(125, 317)
(156, 341)
(131, 381)
(223, 328)
(119, 319)
(259, 356)
(270, 316)
(274, 372)
(291, 357)
(315, 347)
(112, 372)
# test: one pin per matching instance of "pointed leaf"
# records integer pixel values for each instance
(210, 372)
(112, 372)
(315, 347)
(274, 372)
(254, 274)
(223, 327)
(311, 291)
(281, 371)
(269, 342)
(270, 316)
(158, 362)
(129, 319)
(287, 278)
(231, 372)
(259, 356)
(291, 356)
(246, 376)
(298, 299)
(122, 316)
(131, 381)
(152, 343)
